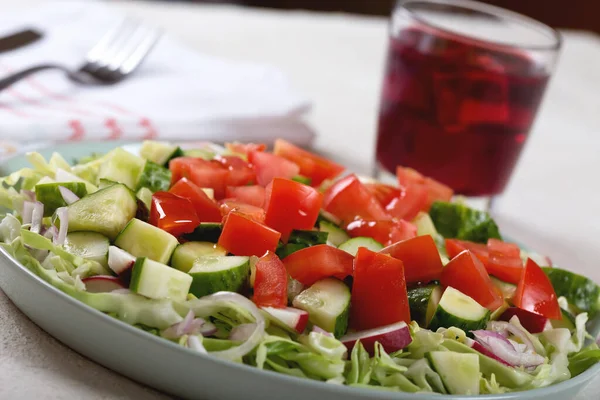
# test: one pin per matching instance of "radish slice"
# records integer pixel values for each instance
(291, 317)
(68, 196)
(119, 260)
(392, 337)
(102, 284)
(63, 215)
(532, 322)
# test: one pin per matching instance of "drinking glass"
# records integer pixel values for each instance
(462, 86)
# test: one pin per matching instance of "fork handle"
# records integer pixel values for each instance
(17, 76)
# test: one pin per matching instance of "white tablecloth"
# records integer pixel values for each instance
(337, 60)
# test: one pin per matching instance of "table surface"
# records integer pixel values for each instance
(337, 60)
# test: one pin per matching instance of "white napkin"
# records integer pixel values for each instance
(176, 94)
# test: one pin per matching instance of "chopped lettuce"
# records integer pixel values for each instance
(455, 220)
(360, 366)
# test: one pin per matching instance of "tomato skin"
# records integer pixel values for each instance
(240, 173)
(454, 247)
(412, 199)
(270, 282)
(253, 194)
(504, 261)
(384, 194)
(435, 191)
(348, 199)
(180, 167)
(420, 256)
(254, 213)
(385, 232)
(203, 173)
(268, 166)
(245, 148)
(291, 205)
(173, 214)
(467, 274)
(311, 165)
(318, 262)
(242, 236)
(379, 294)
(535, 293)
(207, 210)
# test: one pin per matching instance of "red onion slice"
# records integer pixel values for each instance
(189, 326)
(27, 212)
(51, 233)
(29, 194)
(68, 196)
(504, 349)
(63, 215)
(503, 326)
(36, 217)
(208, 305)
(317, 329)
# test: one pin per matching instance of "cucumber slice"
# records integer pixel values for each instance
(205, 232)
(424, 225)
(106, 211)
(186, 254)
(145, 196)
(141, 239)
(286, 249)
(302, 179)
(336, 236)
(459, 371)
(508, 289)
(154, 177)
(221, 273)
(104, 183)
(65, 176)
(121, 166)
(579, 291)
(56, 160)
(308, 238)
(328, 217)
(459, 310)
(328, 305)
(351, 246)
(89, 245)
(455, 220)
(205, 153)
(423, 302)
(567, 321)
(49, 194)
(159, 281)
(159, 152)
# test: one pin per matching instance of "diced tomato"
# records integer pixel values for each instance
(249, 211)
(270, 282)
(385, 232)
(245, 148)
(242, 236)
(412, 199)
(311, 165)
(535, 293)
(454, 247)
(504, 261)
(239, 171)
(348, 198)
(206, 208)
(378, 291)
(253, 195)
(173, 214)
(384, 194)
(180, 167)
(435, 191)
(318, 262)
(268, 166)
(420, 256)
(467, 274)
(205, 174)
(291, 205)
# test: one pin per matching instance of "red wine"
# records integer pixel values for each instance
(455, 110)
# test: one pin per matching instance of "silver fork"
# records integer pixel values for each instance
(118, 53)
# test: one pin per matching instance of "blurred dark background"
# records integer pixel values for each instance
(574, 14)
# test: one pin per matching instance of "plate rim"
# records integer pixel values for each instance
(580, 380)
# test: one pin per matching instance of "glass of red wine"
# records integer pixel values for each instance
(462, 86)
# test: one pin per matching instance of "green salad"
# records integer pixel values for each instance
(279, 260)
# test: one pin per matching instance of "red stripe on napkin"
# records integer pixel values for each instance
(77, 129)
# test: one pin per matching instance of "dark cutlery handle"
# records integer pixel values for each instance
(17, 76)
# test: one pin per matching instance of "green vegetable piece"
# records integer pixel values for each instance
(579, 291)
(141, 239)
(308, 237)
(453, 220)
(159, 281)
(456, 309)
(49, 194)
(459, 371)
(159, 152)
(423, 302)
(155, 178)
(351, 246)
(121, 166)
(186, 254)
(213, 274)
(285, 250)
(205, 232)
(302, 179)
